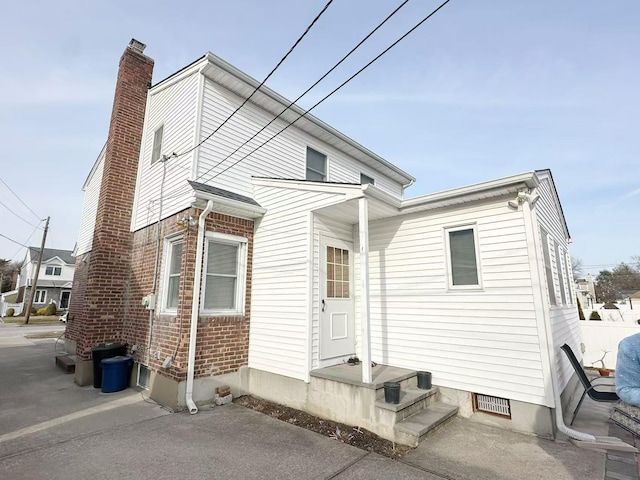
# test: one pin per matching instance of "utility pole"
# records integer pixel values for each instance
(35, 277)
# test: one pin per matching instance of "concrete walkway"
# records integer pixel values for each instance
(50, 428)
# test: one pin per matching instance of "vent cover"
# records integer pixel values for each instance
(143, 376)
(495, 405)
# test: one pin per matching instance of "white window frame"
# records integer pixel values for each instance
(457, 228)
(241, 273)
(307, 168)
(40, 293)
(545, 239)
(54, 269)
(169, 244)
(154, 158)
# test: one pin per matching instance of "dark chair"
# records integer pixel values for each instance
(589, 389)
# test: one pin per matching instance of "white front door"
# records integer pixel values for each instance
(337, 325)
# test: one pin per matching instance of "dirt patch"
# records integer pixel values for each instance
(355, 436)
(34, 320)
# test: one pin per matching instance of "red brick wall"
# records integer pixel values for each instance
(100, 319)
(222, 344)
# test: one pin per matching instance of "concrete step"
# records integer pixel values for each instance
(412, 400)
(423, 422)
(66, 362)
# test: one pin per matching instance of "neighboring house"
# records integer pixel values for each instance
(55, 279)
(268, 272)
(586, 292)
(7, 301)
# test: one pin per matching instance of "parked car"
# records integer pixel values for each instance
(63, 317)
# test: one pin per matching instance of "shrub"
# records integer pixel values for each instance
(594, 316)
(41, 311)
(51, 309)
(10, 312)
(580, 312)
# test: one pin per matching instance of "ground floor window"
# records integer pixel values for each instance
(40, 297)
(224, 275)
(171, 287)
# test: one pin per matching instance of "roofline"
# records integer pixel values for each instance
(557, 198)
(252, 82)
(93, 168)
(177, 72)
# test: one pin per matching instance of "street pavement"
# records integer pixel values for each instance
(52, 429)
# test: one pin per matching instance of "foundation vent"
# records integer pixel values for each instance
(143, 376)
(495, 405)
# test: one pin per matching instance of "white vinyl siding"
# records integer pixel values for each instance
(565, 325)
(478, 341)
(90, 208)
(280, 323)
(175, 109)
(224, 274)
(283, 157)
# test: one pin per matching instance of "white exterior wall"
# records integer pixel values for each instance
(174, 106)
(564, 318)
(283, 157)
(66, 274)
(280, 309)
(484, 341)
(90, 208)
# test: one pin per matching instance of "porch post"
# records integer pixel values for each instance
(364, 289)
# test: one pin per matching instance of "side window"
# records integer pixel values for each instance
(316, 166)
(172, 274)
(462, 256)
(547, 266)
(224, 276)
(157, 144)
(40, 297)
(364, 179)
(569, 289)
(559, 262)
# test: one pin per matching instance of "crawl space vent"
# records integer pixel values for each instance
(495, 405)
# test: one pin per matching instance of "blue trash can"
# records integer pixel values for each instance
(115, 373)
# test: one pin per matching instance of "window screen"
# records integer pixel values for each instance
(464, 265)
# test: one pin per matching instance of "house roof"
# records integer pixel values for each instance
(243, 85)
(219, 192)
(635, 295)
(50, 253)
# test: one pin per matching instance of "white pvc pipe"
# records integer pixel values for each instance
(571, 433)
(195, 308)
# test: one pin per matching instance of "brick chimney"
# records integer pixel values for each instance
(104, 273)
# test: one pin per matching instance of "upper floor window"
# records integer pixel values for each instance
(547, 266)
(224, 276)
(316, 166)
(57, 271)
(364, 179)
(156, 153)
(463, 257)
(173, 254)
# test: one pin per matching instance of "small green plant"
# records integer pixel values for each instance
(594, 316)
(41, 311)
(580, 312)
(10, 312)
(51, 309)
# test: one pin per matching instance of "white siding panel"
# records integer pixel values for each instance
(565, 325)
(485, 341)
(280, 323)
(90, 208)
(175, 107)
(283, 157)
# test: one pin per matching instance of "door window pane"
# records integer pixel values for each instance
(337, 273)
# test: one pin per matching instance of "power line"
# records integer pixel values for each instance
(27, 240)
(14, 213)
(16, 195)
(263, 81)
(12, 240)
(334, 90)
(358, 45)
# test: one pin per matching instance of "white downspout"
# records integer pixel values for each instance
(571, 433)
(195, 309)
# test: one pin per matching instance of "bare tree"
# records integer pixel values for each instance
(577, 267)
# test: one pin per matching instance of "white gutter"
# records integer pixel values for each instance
(571, 433)
(195, 309)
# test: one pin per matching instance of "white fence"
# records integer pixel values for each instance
(17, 307)
(600, 336)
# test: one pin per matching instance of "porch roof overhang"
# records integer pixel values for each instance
(383, 205)
(226, 202)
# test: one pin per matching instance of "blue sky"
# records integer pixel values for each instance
(482, 90)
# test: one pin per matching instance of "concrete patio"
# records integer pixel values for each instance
(50, 428)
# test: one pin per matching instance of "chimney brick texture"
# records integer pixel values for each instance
(97, 310)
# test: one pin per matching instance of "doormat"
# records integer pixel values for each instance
(627, 416)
